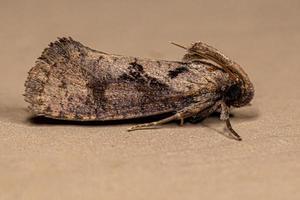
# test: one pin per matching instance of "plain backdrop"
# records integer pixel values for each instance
(44, 160)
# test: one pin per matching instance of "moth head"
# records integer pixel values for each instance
(241, 92)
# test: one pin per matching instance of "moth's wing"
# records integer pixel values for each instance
(170, 87)
(67, 82)
(125, 100)
(56, 86)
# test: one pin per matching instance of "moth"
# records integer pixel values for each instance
(70, 81)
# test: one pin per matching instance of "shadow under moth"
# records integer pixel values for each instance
(73, 82)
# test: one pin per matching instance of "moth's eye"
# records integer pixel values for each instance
(233, 93)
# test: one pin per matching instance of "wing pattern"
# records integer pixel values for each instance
(73, 82)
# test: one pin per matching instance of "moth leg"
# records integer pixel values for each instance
(181, 121)
(232, 131)
(205, 113)
(180, 115)
(156, 123)
(225, 117)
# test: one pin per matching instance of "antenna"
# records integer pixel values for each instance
(178, 45)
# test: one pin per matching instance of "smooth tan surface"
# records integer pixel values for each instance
(63, 161)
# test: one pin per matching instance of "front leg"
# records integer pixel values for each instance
(224, 116)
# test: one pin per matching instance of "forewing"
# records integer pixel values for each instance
(73, 82)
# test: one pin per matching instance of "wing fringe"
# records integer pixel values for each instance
(58, 51)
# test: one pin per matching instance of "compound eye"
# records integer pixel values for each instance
(233, 93)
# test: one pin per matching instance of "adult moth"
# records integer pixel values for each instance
(73, 82)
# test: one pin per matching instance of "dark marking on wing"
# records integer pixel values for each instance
(99, 58)
(138, 76)
(136, 67)
(63, 84)
(179, 70)
(150, 89)
(48, 109)
(98, 92)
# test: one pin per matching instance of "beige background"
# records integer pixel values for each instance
(61, 161)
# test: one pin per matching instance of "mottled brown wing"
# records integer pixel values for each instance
(73, 82)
